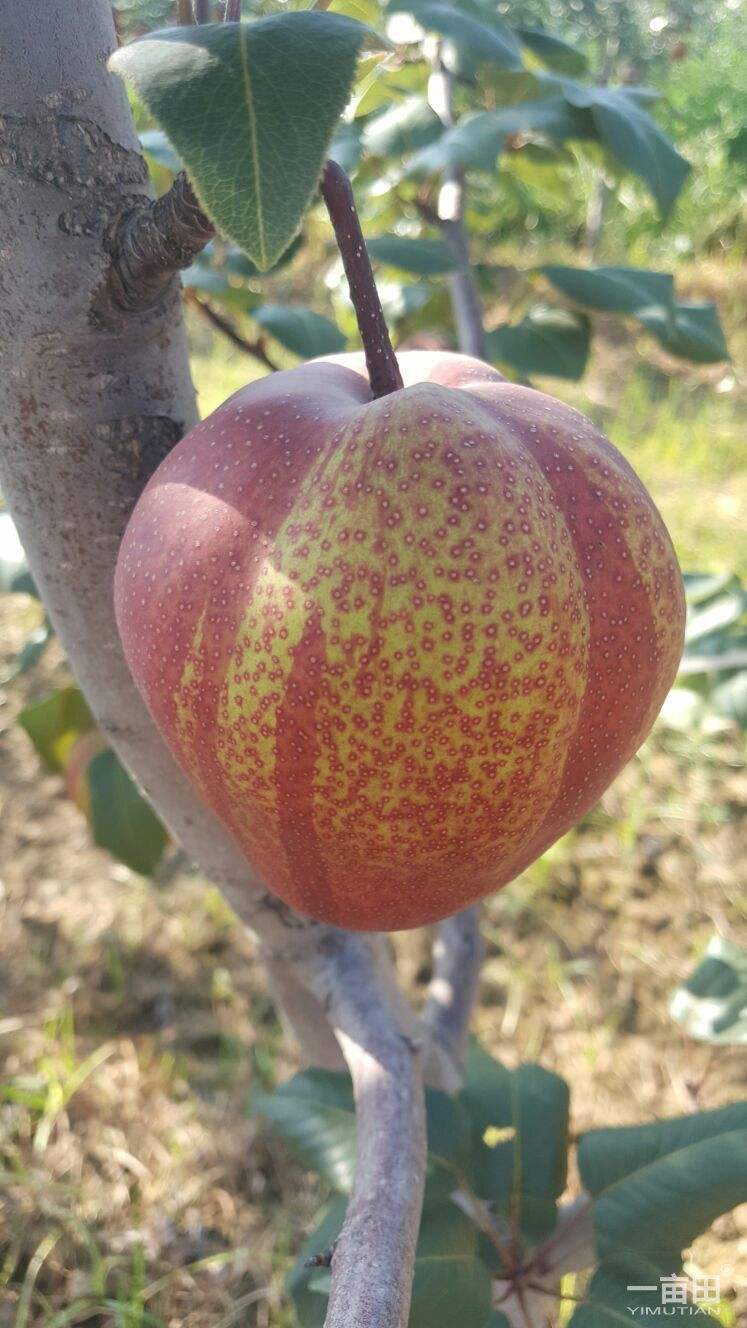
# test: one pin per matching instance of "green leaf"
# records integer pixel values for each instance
(645, 1222)
(56, 723)
(546, 341)
(365, 11)
(423, 257)
(729, 698)
(608, 1156)
(622, 290)
(553, 52)
(203, 277)
(23, 583)
(702, 586)
(736, 147)
(451, 1283)
(463, 63)
(550, 117)
(449, 1141)
(235, 261)
(692, 332)
(716, 616)
(448, 1272)
(380, 86)
(315, 1114)
(121, 820)
(714, 662)
(404, 127)
(308, 1292)
(145, 11)
(712, 1004)
(210, 279)
(609, 1303)
(661, 1186)
(401, 301)
(519, 1139)
(642, 96)
(639, 144)
(494, 43)
(305, 333)
(31, 651)
(477, 139)
(346, 146)
(251, 109)
(157, 148)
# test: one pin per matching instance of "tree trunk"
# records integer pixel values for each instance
(91, 399)
(465, 301)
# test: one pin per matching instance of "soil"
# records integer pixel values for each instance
(134, 1023)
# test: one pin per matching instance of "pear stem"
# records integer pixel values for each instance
(381, 362)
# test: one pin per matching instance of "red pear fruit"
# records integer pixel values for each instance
(399, 645)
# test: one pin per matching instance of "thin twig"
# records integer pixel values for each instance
(255, 348)
(300, 1012)
(381, 362)
(451, 205)
(478, 1212)
(373, 1259)
(155, 240)
(597, 205)
(523, 1296)
(571, 1247)
(427, 211)
(457, 956)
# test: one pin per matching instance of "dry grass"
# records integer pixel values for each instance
(136, 1189)
(134, 1021)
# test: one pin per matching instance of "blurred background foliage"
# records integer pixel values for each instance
(674, 408)
(135, 1187)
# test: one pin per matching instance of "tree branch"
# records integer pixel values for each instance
(153, 241)
(529, 1292)
(87, 412)
(533, 1296)
(285, 957)
(89, 406)
(89, 409)
(302, 1013)
(457, 953)
(373, 1259)
(600, 196)
(464, 298)
(255, 348)
(233, 11)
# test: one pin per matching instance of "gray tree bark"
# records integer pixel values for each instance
(465, 301)
(91, 399)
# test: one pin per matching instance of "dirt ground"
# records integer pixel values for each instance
(135, 1186)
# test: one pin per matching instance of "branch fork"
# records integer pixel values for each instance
(155, 240)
